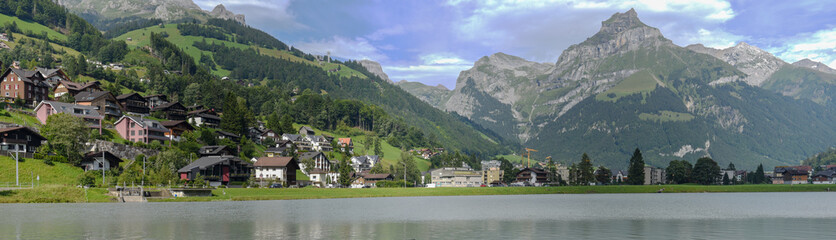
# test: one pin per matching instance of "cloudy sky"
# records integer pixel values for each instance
(432, 41)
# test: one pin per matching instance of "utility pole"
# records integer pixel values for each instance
(103, 170)
(17, 169)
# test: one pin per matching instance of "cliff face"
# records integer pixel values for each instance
(221, 12)
(375, 68)
(161, 9)
(758, 64)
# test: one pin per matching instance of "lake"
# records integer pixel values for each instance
(585, 216)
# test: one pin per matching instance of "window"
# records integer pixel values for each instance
(132, 132)
(7, 86)
(16, 87)
(133, 124)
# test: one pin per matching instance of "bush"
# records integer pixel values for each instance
(392, 184)
(56, 158)
(86, 179)
(38, 156)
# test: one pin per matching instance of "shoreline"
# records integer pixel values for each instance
(69, 194)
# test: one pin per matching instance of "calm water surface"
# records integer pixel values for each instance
(598, 216)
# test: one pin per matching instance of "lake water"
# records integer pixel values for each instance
(593, 216)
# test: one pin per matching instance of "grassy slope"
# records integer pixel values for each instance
(243, 194)
(141, 37)
(18, 118)
(391, 155)
(32, 26)
(640, 82)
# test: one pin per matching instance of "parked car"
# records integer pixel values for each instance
(276, 185)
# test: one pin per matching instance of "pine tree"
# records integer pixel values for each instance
(726, 179)
(586, 173)
(759, 177)
(636, 170)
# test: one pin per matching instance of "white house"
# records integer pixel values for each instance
(277, 169)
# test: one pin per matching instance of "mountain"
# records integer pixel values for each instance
(821, 67)
(375, 68)
(758, 64)
(628, 86)
(436, 96)
(168, 10)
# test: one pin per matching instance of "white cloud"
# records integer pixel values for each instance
(356, 48)
(715, 38)
(384, 32)
(818, 46)
(436, 68)
(268, 15)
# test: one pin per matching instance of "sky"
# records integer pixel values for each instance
(431, 41)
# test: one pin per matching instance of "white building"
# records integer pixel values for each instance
(277, 169)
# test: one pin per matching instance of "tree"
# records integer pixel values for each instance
(66, 135)
(553, 177)
(407, 164)
(274, 123)
(759, 177)
(377, 150)
(706, 171)
(679, 171)
(378, 168)
(731, 166)
(237, 117)
(585, 170)
(603, 175)
(573, 174)
(636, 170)
(726, 179)
(509, 174)
(287, 124)
(345, 173)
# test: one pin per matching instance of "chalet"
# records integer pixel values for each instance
(364, 163)
(138, 129)
(301, 143)
(104, 102)
(283, 148)
(20, 139)
(176, 128)
(133, 103)
(319, 143)
(791, 174)
(88, 113)
(456, 177)
(618, 176)
(218, 170)
(320, 161)
(281, 169)
(156, 100)
(269, 134)
(533, 176)
(824, 177)
(254, 134)
(99, 160)
(204, 117)
(306, 131)
(53, 75)
(366, 179)
(171, 111)
(73, 88)
(215, 150)
(28, 86)
(346, 145)
(228, 135)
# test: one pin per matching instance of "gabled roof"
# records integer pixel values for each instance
(825, 173)
(161, 96)
(182, 123)
(305, 128)
(535, 170)
(292, 137)
(91, 96)
(367, 159)
(308, 155)
(207, 116)
(378, 176)
(204, 162)
(227, 134)
(346, 141)
(144, 122)
(129, 95)
(69, 108)
(213, 149)
(26, 76)
(109, 156)
(275, 162)
(48, 72)
(25, 129)
(164, 106)
(275, 149)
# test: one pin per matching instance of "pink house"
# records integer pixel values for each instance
(88, 113)
(138, 129)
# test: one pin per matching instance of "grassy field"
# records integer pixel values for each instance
(32, 26)
(666, 116)
(249, 194)
(19, 118)
(30, 169)
(640, 82)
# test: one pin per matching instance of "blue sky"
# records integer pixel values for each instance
(432, 41)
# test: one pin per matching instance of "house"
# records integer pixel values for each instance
(171, 111)
(282, 148)
(133, 103)
(255, 134)
(492, 174)
(138, 129)
(533, 176)
(269, 134)
(456, 177)
(491, 164)
(364, 163)
(301, 143)
(306, 131)
(277, 169)
(319, 159)
(824, 177)
(215, 150)
(87, 113)
(67, 87)
(53, 75)
(218, 170)
(99, 160)
(791, 174)
(20, 139)
(618, 176)
(346, 145)
(228, 135)
(366, 179)
(654, 176)
(204, 118)
(28, 86)
(319, 143)
(104, 102)
(319, 177)
(176, 128)
(156, 100)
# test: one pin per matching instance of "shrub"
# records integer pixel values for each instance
(392, 184)
(86, 179)
(38, 156)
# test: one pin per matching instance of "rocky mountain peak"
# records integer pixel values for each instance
(821, 67)
(220, 11)
(375, 68)
(755, 62)
(620, 22)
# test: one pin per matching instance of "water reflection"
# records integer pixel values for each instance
(659, 216)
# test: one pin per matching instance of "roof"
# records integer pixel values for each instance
(109, 156)
(144, 122)
(208, 116)
(26, 75)
(275, 149)
(164, 97)
(307, 155)
(46, 72)
(292, 137)
(305, 128)
(344, 140)
(69, 108)
(32, 132)
(377, 176)
(274, 161)
(78, 86)
(825, 173)
(228, 134)
(90, 96)
(536, 170)
(212, 150)
(128, 95)
(204, 162)
(168, 105)
(366, 159)
(171, 124)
